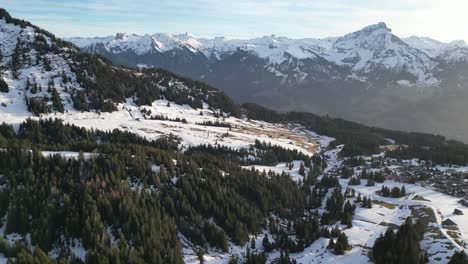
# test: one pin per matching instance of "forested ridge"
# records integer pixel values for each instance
(364, 140)
(121, 209)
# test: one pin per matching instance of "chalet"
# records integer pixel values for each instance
(458, 212)
(448, 222)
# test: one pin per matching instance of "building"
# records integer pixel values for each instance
(448, 222)
(458, 212)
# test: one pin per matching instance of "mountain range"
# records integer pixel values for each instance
(370, 75)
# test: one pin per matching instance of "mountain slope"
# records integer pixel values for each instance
(36, 64)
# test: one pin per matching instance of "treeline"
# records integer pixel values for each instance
(402, 246)
(450, 152)
(364, 140)
(395, 192)
(53, 134)
(261, 153)
(215, 123)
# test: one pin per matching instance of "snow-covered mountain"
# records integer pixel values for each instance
(454, 51)
(373, 49)
(370, 75)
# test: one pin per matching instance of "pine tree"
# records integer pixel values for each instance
(341, 244)
(34, 88)
(370, 181)
(64, 78)
(57, 101)
(28, 84)
(396, 192)
(459, 257)
(364, 174)
(233, 260)
(266, 244)
(335, 232)
(16, 59)
(3, 86)
(302, 170)
(50, 85)
(47, 64)
(200, 253)
(331, 244)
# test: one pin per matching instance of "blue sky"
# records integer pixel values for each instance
(443, 20)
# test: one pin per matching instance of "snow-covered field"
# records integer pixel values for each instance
(241, 134)
(282, 167)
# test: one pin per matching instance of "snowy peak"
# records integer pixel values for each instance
(375, 48)
(430, 46)
(139, 44)
(371, 37)
(458, 44)
(125, 42)
(368, 31)
(454, 51)
(121, 36)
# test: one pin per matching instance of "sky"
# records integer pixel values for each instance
(444, 20)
